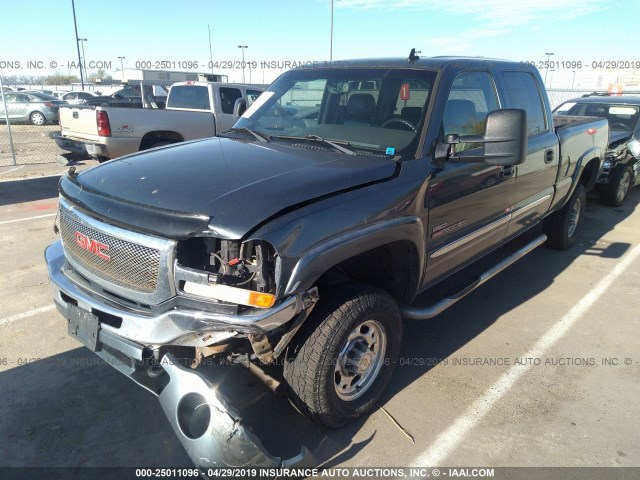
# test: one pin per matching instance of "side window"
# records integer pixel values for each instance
(471, 98)
(522, 92)
(228, 97)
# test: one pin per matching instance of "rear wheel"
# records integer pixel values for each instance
(561, 227)
(339, 366)
(614, 193)
(37, 118)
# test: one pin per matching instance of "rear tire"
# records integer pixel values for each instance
(561, 227)
(615, 192)
(37, 118)
(338, 367)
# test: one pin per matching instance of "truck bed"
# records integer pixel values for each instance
(562, 121)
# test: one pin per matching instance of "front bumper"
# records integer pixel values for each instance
(210, 430)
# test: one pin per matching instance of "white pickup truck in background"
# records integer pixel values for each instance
(193, 110)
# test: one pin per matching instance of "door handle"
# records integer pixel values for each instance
(548, 156)
(508, 171)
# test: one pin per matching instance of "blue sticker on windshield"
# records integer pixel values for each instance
(391, 151)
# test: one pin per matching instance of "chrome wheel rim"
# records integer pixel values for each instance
(623, 188)
(360, 360)
(574, 217)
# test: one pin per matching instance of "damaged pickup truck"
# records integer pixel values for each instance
(304, 235)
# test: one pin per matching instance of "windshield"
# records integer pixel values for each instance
(380, 110)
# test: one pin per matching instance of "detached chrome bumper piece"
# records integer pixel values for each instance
(210, 430)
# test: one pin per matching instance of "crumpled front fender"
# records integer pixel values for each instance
(210, 430)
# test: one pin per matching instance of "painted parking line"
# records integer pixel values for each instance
(449, 439)
(28, 314)
(12, 170)
(32, 177)
(4, 222)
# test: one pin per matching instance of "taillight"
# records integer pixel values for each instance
(102, 119)
(48, 104)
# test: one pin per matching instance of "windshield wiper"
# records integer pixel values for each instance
(258, 136)
(337, 144)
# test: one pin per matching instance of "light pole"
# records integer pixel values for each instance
(122, 67)
(75, 26)
(551, 78)
(242, 47)
(210, 50)
(548, 54)
(83, 65)
(573, 81)
(331, 34)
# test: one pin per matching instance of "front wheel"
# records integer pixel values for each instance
(561, 227)
(614, 193)
(340, 365)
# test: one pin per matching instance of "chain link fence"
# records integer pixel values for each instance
(28, 119)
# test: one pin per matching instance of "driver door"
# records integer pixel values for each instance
(468, 203)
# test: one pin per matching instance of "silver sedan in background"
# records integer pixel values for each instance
(34, 107)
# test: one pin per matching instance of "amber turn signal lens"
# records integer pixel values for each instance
(262, 300)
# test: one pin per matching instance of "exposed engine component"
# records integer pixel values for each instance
(249, 265)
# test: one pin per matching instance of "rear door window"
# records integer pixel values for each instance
(523, 92)
(194, 97)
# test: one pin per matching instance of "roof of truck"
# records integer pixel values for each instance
(430, 63)
(606, 99)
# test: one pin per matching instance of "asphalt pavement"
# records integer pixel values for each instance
(538, 367)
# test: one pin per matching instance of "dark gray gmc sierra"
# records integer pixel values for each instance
(305, 234)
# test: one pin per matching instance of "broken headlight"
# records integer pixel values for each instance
(228, 271)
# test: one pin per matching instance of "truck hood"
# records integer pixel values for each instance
(231, 185)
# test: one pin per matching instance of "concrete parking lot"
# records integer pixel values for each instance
(539, 367)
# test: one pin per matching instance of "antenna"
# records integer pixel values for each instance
(412, 55)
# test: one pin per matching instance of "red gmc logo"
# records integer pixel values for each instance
(92, 246)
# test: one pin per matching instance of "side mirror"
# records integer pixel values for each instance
(504, 141)
(239, 108)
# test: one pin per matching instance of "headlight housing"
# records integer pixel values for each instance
(228, 271)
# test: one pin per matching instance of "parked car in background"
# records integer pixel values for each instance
(34, 107)
(621, 168)
(78, 98)
(131, 96)
(51, 93)
(59, 94)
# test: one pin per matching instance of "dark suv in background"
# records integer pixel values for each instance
(621, 169)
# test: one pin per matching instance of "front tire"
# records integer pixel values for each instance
(561, 227)
(341, 363)
(615, 192)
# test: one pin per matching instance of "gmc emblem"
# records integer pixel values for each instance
(92, 246)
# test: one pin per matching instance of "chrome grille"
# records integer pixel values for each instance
(131, 266)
